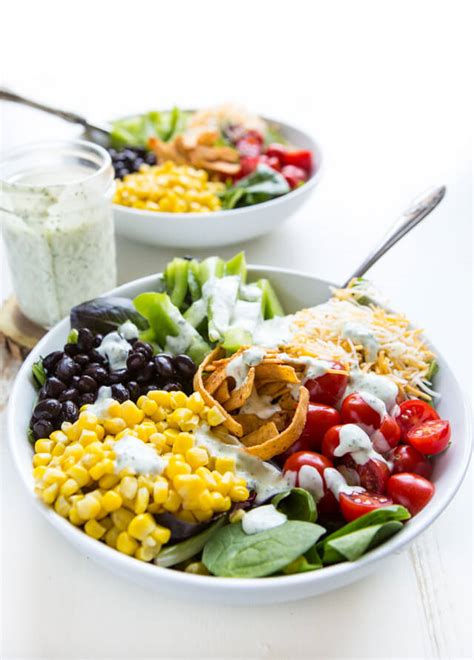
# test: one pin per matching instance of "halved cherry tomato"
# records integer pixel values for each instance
(247, 166)
(430, 437)
(328, 388)
(319, 419)
(277, 150)
(387, 435)
(312, 460)
(250, 144)
(374, 475)
(405, 458)
(354, 505)
(302, 159)
(414, 412)
(355, 410)
(294, 175)
(410, 490)
(331, 441)
(271, 161)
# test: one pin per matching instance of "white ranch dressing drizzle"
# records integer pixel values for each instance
(238, 368)
(359, 333)
(354, 441)
(380, 386)
(310, 479)
(246, 315)
(131, 452)
(314, 367)
(273, 332)
(261, 406)
(220, 293)
(262, 477)
(128, 330)
(100, 408)
(115, 348)
(178, 344)
(336, 483)
(262, 518)
(374, 402)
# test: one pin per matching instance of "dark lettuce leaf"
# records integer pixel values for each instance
(106, 314)
(179, 529)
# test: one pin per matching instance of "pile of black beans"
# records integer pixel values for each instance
(75, 374)
(130, 159)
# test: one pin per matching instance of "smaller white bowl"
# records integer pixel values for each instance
(199, 230)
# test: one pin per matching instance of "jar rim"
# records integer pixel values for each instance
(24, 149)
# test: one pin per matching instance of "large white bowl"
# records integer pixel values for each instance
(199, 230)
(296, 290)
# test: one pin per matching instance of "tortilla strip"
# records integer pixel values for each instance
(233, 427)
(240, 395)
(284, 440)
(271, 388)
(249, 423)
(222, 393)
(215, 380)
(264, 434)
(277, 372)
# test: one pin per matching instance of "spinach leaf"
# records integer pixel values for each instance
(262, 184)
(354, 545)
(171, 555)
(232, 553)
(106, 314)
(296, 504)
(39, 374)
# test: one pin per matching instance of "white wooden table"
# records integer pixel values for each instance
(381, 85)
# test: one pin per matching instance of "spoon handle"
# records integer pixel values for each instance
(418, 210)
(7, 95)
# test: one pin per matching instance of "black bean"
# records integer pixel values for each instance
(150, 387)
(82, 360)
(87, 384)
(97, 372)
(172, 387)
(95, 356)
(134, 388)
(71, 349)
(71, 394)
(43, 394)
(137, 163)
(85, 340)
(120, 392)
(150, 158)
(50, 361)
(75, 381)
(47, 409)
(69, 411)
(118, 376)
(147, 373)
(65, 369)
(184, 366)
(86, 398)
(42, 428)
(98, 340)
(136, 362)
(53, 387)
(164, 365)
(143, 347)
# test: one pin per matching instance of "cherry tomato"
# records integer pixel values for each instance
(374, 476)
(277, 150)
(250, 144)
(327, 503)
(247, 166)
(294, 175)
(354, 505)
(410, 490)
(328, 388)
(387, 436)
(408, 459)
(331, 441)
(430, 437)
(319, 419)
(302, 159)
(412, 413)
(271, 161)
(355, 410)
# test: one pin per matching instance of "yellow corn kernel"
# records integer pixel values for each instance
(87, 420)
(179, 417)
(178, 400)
(173, 502)
(105, 466)
(197, 457)
(96, 447)
(145, 481)
(44, 446)
(160, 491)
(129, 487)
(160, 397)
(149, 407)
(174, 468)
(79, 474)
(188, 485)
(114, 425)
(74, 517)
(226, 483)
(130, 413)
(160, 416)
(145, 553)
(62, 506)
(196, 403)
(239, 494)
(141, 500)
(239, 481)
(122, 518)
(191, 423)
(89, 459)
(159, 440)
(75, 450)
(214, 416)
(49, 494)
(89, 507)
(107, 522)
(170, 435)
(100, 432)
(111, 501)
(186, 516)
(126, 544)
(54, 475)
(205, 501)
(87, 437)
(161, 534)
(141, 526)
(220, 503)
(108, 481)
(207, 476)
(41, 459)
(203, 515)
(94, 529)
(111, 537)
(183, 442)
(153, 507)
(196, 568)
(71, 430)
(38, 472)
(225, 464)
(60, 437)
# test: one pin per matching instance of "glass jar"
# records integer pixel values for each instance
(56, 212)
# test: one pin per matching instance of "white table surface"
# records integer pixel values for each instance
(381, 86)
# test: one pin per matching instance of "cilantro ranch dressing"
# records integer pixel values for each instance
(128, 330)
(310, 479)
(358, 333)
(374, 402)
(273, 332)
(115, 349)
(354, 441)
(100, 408)
(261, 406)
(379, 386)
(238, 368)
(131, 452)
(57, 225)
(262, 518)
(337, 484)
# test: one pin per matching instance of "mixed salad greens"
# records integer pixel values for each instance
(200, 428)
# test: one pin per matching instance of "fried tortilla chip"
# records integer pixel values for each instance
(278, 372)
(262, 435)
(272, 389)
(240, 395)
(283, 441)
(215, 380)
(222, 393)
(249, 423)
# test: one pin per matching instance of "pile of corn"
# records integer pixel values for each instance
(75, 471)
(169, 188)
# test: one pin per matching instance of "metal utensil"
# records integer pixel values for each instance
(7, 95)
(415, 213)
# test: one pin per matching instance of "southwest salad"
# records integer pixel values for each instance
(213, 159)
(198, 427)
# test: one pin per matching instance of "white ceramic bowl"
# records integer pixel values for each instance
(296, 290)
(199, 230)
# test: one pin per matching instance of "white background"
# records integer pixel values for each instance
(384, 87)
